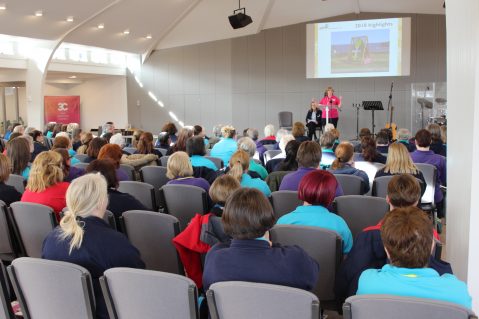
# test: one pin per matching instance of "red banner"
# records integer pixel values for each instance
(62, 109)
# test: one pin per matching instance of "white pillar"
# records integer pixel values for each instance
(462, 242)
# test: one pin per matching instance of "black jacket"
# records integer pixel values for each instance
(318, 116)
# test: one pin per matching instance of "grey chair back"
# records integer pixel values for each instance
(164, 160)
(285, 119)
(81, 165)
(161, 150)
(351, 184)
(184, 201)
(138, 293)
(16, 181)
(380, 186)
(33, 223)
(81, 157)
(129, 170)
(109, 217)
(324, 245)
(430, 175)
(370, 169)
(143, 192)
(360, 211)
(7, 248)
(68, 287)
(152, 234)
(130, 150)
(269, 147)
(154, 175)
(218, 161)
(395, 307)
(239, 300)
(268, 155)
(284, 202)
(6, 310)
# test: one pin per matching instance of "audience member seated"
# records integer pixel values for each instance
(382, 142)
(249, 146)
(363, 133)
(404, 137)
(163, 141)
(437, 146)
(76, 141)
(344, 164)
(113, 152)
(171, 130)
(119, 140)
(145, 145)
(85, 139)
(56, 129)
(298, 132)
(45, 185)
(336, 135)
(48, 129)
(369, 152)
(309, 157)
(317, 190)
(180, 171)
(195, 147)
(279, 134)
(94, 148)
(269, 133)
(423, 154)
(118, 202)
(227, 146)
(247, 218)
(69, 172)
(282, 146)
(327, 141)
(444, 135)
(85, 239)
(108, 130)
(135, 138)
(38, 144)
(368, 250)
(239, 165)
(62, 141)
(289, 163)
(180, 145)
(199, 131)
(18, 151)
(216, 137)
(408, 240)
(253, 134)
(8, 194)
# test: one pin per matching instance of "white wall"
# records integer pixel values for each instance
(101, 100)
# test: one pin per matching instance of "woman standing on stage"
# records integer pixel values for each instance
(334, 104)
(313, 120)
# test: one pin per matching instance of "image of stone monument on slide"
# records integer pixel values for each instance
(360, 51)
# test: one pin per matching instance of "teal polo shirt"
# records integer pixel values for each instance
(414, 282)
(255, 167)
(197, 161)
(224, 149)
(315, 215)
(248, 181)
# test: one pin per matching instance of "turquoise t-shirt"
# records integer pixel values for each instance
(197, 160)
(224, 149)
(319, 216)
(248, 181)
(414, 282)
(26, 173)
(255, 167)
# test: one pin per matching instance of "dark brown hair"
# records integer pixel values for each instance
(105, 167)
(145, 143)
(180, 144)
(309, 154)
(66, 156)
(195, 145)
(247, 214)
(61, 142)
(368, 149)
(423, 138)
(94, 147)
(169, 128)
(18, 151)
(364, 132)
(403, 190)
(407, 236)
(344, 153)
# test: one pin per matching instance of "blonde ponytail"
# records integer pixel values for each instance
(72, 230)
(239, 164)
(237, 170)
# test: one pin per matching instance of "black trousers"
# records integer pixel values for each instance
(312, 130)
(333, 121)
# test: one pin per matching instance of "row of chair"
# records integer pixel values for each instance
(135, 293)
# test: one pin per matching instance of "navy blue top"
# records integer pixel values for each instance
(102, 248)
(256, 261)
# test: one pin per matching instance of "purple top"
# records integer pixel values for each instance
(122, 175)
(73, 173)
(291, 181)
(429, 157)
(193, 181)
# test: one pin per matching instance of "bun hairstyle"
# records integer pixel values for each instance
(46, 171)
(344, 153)
(228, 131)
(239, 163)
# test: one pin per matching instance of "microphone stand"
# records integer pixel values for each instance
(357, 107)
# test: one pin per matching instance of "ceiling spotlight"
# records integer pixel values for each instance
(101, 26)
(39, 13)
(70, 19)
(127, 31)
(3, 6)
(239, 19)
(148, 36)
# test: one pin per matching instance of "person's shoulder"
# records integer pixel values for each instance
(63, 185)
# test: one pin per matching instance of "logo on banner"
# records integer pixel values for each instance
(62, 107)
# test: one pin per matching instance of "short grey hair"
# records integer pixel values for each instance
(248, 145)
(117, 139)
(252, 133)
(217, 130)
(269, 130)
(404, 134)
(280, 134)
(285, 139)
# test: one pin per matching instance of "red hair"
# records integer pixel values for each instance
(318, 188)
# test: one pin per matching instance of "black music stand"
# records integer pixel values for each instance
(373, 106)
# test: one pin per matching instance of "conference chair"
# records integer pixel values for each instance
(152, 234)
(8, 246)
(52, 289)
(284, 202)
(184, 201)
(32, 223)
(285, 120)
(154, 175)
(164, 160)
(268, 155)
(129, 170)
(351, 184)
(218, 161)
(16, 181)
(269, 147)
(161, 150)
(81, 157)
(430, 175)
(274, 179)
(396, 307)
(370, 169)
(325, 246)
(360, 211)
(6, 310)
(130, 150)
(139, 293)
(143, 192)
(380, 186)
(239, 300)
(109, 217)
(81, 165)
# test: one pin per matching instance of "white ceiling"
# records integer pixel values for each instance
(176, 22)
